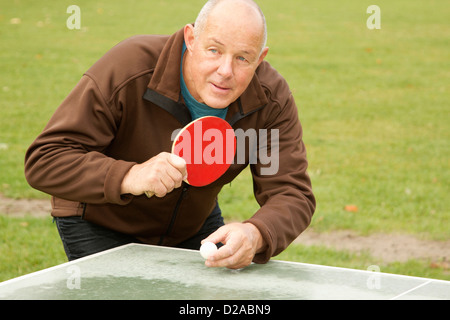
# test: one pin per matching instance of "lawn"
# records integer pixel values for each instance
(374, 106)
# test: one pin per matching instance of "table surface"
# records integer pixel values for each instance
(138, 271)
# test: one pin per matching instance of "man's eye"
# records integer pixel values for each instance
(242, 59)
(213, 51)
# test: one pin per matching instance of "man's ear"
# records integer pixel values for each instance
(263, 55)
(189, 37)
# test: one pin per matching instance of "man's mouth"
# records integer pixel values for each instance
(220, 88)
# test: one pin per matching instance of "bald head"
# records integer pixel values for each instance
(246, 12)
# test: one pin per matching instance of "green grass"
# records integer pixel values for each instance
(362, 261)
(28, 244)
(373, 104)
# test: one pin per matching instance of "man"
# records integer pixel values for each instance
(108, 143)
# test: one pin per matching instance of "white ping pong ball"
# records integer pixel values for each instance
(207, 249)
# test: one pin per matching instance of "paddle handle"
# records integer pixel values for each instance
(149, 194)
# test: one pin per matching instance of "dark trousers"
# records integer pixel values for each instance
(81, 238)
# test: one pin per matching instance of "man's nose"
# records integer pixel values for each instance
(226, 67)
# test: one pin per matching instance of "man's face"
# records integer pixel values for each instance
(221, 61)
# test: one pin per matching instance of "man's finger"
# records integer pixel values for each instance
(218, 236)
(230, 257)
(178, 162)
(231, 247)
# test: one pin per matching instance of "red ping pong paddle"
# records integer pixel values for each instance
(208, 145)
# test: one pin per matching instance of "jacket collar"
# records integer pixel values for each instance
(164, 86)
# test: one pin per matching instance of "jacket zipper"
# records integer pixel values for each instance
(175, 213)
(83, 205)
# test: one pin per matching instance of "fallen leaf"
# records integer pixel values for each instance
(351, 208)
(439, 265)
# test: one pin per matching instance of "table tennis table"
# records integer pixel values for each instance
(138, 272)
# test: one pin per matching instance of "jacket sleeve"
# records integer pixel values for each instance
(282, 186)
(67, 161)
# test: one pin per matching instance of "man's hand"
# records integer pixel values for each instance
(241, 242)
(159, 176)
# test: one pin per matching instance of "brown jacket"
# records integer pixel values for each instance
(124, 110)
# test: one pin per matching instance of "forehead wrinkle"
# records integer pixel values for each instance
(217, 41)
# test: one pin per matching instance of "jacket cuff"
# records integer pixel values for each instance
(113, 182)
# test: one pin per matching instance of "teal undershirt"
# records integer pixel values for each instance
(196, 108)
